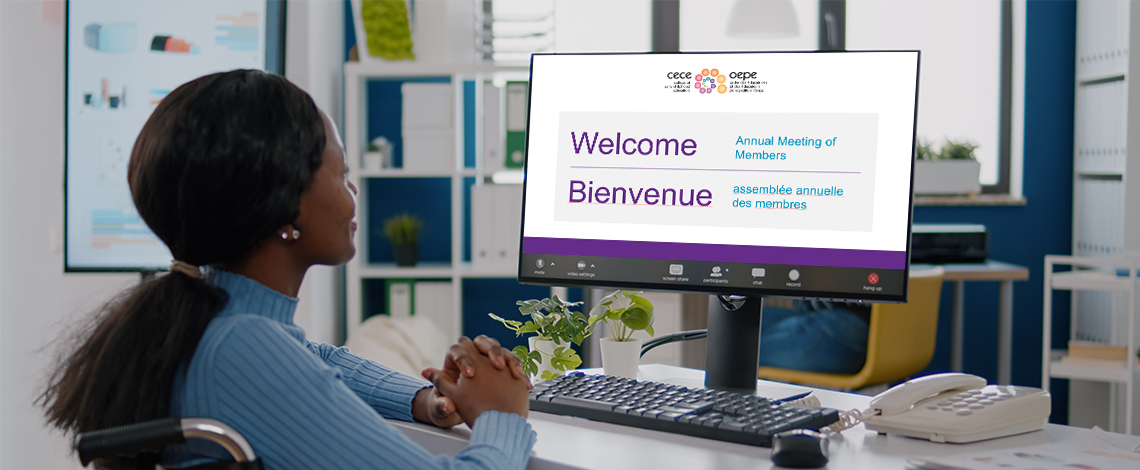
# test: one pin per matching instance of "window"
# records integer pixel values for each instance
(960, 76)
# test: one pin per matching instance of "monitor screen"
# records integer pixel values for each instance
(753, 173)
(122, 59)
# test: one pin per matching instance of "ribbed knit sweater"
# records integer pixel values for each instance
(306, 405)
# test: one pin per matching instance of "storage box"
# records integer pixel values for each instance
(427, 106)
(1089, 350)
(429, 150)
(947, 177)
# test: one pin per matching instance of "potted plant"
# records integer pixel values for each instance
(952, 170)
(404, 232)
(555, 326)
(624, 313)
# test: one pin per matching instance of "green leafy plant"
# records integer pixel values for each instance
(403, 229)
(958, 150)
(924, 151)
(555, 320)
(624, 313)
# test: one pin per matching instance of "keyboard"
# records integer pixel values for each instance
(698, 412)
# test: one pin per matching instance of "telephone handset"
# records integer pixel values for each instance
(957, 408)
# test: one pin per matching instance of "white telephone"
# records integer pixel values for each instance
(957, 408)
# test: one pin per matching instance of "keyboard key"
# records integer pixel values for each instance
(584, 403)
(697, 406)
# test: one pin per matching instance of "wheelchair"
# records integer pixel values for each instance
(150, 437)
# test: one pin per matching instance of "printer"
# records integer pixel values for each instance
(949, 243)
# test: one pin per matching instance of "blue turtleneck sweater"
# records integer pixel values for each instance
(306, 405)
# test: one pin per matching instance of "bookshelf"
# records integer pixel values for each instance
(445, 191)
(1117, 278)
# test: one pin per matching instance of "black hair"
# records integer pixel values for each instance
(218, 168)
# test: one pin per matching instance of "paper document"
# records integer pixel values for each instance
(1092, 450)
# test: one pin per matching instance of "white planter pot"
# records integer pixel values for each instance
(546, 347)
(621, 358)
(946, 177)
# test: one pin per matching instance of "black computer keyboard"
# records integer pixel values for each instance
(712, 414)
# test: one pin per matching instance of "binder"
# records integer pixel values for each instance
(516, 103)
(400, 297)
(434, 300)
(496, 218)
(493, 156)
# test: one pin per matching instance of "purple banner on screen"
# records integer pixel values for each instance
(874, 259)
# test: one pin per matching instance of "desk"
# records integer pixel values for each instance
(1005, 274)
(574, 443)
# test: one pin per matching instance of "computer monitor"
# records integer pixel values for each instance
(732, 173)
(122, 60)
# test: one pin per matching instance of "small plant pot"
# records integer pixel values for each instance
(621, 358)
(946, 177)
(546, 347)
(406, 255)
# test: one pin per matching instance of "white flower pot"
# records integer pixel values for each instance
(941, 177)
(546, 347)
(621, 358)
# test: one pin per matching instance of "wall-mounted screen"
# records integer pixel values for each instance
(123, 58)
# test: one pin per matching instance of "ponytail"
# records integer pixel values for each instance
(122, 370)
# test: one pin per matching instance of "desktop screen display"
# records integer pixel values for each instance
(748, 173)
(122, 60)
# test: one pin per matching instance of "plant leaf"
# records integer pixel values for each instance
(615, 314)
(649, 329)
(527, 359)
(636, 318)
(509, 323)
(645, 304)
(548, 375)
(565, 359)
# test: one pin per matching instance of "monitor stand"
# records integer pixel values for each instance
(732, 354)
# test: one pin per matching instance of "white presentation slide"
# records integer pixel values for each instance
(123, 59)
(760, 149)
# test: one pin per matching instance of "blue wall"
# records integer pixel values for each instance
(1025, 234)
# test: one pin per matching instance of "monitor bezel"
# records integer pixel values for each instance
(713, 289)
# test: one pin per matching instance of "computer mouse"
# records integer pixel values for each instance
(799, 448)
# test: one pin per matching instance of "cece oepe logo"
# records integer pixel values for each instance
(709, 81)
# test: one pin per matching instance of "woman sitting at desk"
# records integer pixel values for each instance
(240, 174)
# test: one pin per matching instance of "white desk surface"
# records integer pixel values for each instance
(575, 443)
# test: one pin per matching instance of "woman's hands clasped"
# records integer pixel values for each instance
(477, 376)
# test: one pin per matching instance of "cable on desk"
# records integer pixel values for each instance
(847, 419)
(678, 336)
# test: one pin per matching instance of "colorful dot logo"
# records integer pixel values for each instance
(710, 81)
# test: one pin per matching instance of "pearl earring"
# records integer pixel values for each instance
(296, 234)
(284, 236)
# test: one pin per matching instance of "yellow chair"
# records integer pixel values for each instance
(900, 343)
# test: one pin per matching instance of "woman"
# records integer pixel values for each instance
(240, 174)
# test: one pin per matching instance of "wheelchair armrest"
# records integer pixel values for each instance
(128, 440)
(152, 436)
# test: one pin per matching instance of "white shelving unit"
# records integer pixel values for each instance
(356, 77)
(1106, 183)
(1102, 275)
